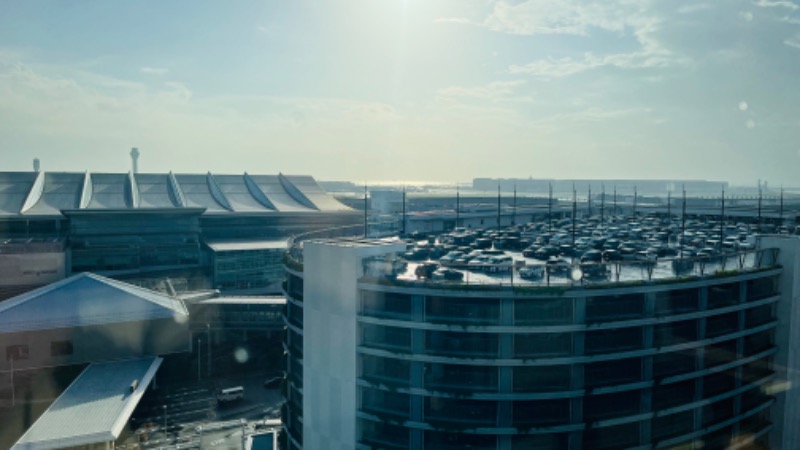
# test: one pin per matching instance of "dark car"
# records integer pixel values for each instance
(592, 256)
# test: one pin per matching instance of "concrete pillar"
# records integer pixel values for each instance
(785, 414)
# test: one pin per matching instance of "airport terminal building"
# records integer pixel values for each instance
(195, 228)
(680, 362)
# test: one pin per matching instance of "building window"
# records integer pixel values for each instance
(388, 338)
(541, 378)
(386, 305)
(676, 302)
(460, 377)
(614, 307)
(762, 288)
(617, 371)
(457, 344)
(723, 295)
(542, 345)
(61, 348)
(545, 311)
(483, 311)
(16, 352)
(614, 340)
(620, 404)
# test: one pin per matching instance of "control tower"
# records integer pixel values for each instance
(135, 159)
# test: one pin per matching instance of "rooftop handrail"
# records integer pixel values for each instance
(295, 243)
(377, 230)
(612, 272)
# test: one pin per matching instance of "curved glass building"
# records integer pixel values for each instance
(674, 363)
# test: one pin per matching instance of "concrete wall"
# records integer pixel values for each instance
(331, 271)
(31, 269)
(786, 434)
(98, 343)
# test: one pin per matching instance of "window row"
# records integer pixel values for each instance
(21, 352)
(390, 436)
(552, 345)
(561, 311)
(558, 378)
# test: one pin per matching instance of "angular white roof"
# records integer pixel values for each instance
(94, 408)
(82, 300)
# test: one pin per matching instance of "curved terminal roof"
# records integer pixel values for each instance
(155, 191)
(275, 191)
(14, 188)
(109, 191)
(234, 188)
(58, 191)
(31, 194)
(197, 192)
(314, 193)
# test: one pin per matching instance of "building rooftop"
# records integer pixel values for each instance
(48, 193)
(358, 241)
(246, 300)
(82, 300)
(232, 245)
(95, 407)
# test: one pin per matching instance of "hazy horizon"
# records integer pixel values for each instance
(443, 91)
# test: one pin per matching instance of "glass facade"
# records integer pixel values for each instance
(592, 371)
(247, 269)
(106, 241)
(441, 369)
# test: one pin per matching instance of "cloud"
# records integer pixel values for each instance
(154, 71)
(746, 15)
(564, 16)
(777, 4)
(650, 56)
(455, 20)
(595, 114)
(178, 91)
(793, 41)
(496, 91)
(688, 9)
(262, 29)
(627, 18)
(556, 68)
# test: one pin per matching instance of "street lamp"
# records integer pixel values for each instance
(198, 359)
(165, 420)
(244, 437)
(208, 352)
(13, 390)
(199, 430)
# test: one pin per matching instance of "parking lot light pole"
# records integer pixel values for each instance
(198, 360)
(13, 389)
(208, 350)
(244, 437)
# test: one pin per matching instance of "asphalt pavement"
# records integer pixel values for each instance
(195, 419)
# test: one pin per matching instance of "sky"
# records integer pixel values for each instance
(392, 90)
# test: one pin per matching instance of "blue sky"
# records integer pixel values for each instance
(386, 90)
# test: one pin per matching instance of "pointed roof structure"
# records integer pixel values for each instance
(49, 194)
(94, 409)
(86, 299)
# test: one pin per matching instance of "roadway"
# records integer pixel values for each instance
(194, 419)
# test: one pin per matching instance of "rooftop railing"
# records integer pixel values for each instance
(398, 271)
(294, 254)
